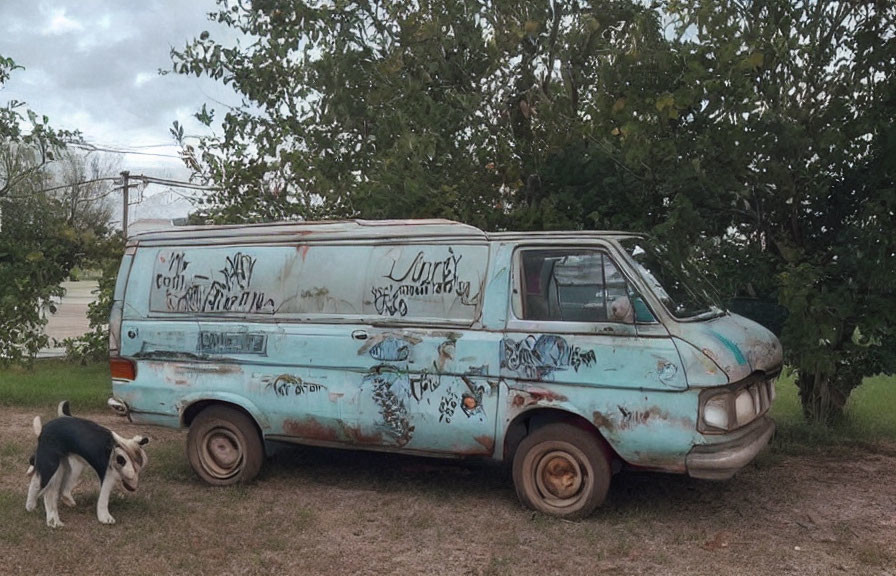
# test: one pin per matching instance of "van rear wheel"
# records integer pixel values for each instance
(561, 470)
(224, 447)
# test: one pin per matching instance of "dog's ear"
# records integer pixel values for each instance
(142, 440)
(36, 425)
(63, 409)
(121, 459)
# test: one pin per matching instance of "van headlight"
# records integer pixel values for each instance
(715, 412)
(729, 408)
(743, 406)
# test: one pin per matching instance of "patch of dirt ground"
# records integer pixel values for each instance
(317, 511)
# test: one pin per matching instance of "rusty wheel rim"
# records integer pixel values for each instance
(221, 453)
(560, 478)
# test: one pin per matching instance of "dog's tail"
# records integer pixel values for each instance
(63, 409)
(37, 427)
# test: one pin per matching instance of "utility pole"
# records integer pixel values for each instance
(124, 208)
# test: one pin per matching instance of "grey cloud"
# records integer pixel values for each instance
(86, 79)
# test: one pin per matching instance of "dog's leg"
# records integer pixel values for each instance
(102, 504)
(51, 496)
(33, 489)
(76, 466)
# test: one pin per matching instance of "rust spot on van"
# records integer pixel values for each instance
(310, 429)
(487, 442)
(303, 251)
(535, 396)
(602, 422)
(355, 436)
(650, 417)
(446, 354)
(539, 395)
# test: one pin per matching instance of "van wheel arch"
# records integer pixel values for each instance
(528, 422)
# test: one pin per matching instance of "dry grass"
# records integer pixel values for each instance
(333, 512)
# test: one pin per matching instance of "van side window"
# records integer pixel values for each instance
(574, 286)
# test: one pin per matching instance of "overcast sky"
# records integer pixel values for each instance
(92, 65)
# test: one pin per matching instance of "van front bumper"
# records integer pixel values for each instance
(722, 461)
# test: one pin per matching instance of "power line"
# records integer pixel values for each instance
(99, 148)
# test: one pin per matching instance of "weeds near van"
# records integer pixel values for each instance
(868, 417)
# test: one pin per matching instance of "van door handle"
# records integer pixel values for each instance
(359, 334)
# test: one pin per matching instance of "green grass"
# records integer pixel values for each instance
(869, 418)
(49, 381)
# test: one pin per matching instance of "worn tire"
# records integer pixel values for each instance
(224, 447)
(561, 470)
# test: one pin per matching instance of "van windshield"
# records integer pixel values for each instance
(682, 289)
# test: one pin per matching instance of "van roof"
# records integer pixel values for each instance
(356, 229)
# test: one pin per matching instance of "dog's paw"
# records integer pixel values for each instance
(105, 518)
(30, 506)
(68, 500)
(55, 522)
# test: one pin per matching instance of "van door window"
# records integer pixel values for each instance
(574, 286)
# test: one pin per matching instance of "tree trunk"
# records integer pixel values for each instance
(824, 395)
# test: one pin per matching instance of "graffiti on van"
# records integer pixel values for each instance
(421, 385)
(390, 350)
(231, 343)
(538, 357)
(421, 278)
(227, 290)
(289, 385)
(387, 386)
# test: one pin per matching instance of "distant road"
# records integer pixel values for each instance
(70, 319)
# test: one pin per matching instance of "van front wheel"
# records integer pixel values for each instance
(224, 446)
(561, 470)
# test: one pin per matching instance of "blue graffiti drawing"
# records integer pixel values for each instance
(537, 358)
(667, 372)
(388, 388)
(390, 350)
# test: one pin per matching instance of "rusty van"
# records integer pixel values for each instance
(571, 355)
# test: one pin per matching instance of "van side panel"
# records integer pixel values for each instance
(326, 344)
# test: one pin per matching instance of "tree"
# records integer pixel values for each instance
(806, 88)
(510, 113)
(84, 186)
(37, 246)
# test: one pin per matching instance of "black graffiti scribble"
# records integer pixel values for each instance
(238, 271)
(289, 385)
(422, 278)
(231, 293)
(388, 300)
(537, 358)
(423, 384)
(175, 278)
(429, 276)
(447, 406)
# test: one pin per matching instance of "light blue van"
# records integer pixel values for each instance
(569, 354)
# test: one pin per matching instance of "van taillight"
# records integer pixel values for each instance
(122, 369)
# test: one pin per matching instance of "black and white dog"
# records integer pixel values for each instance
(64, 447)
